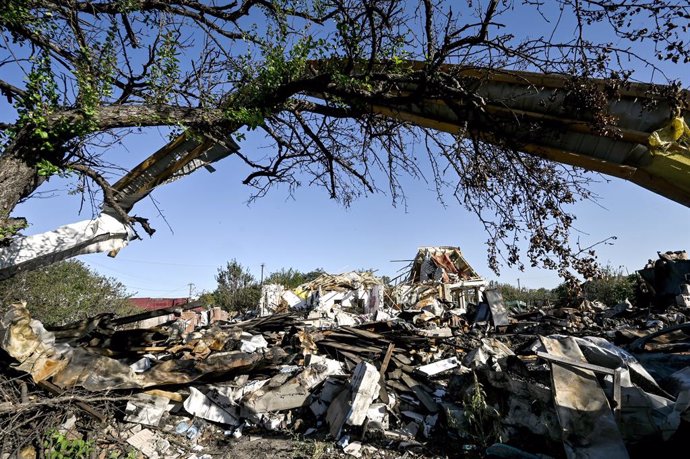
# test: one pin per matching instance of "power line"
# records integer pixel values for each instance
(157, 289)
(118, 272)
(165, 263)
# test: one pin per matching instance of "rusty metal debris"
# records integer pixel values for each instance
(374, 367)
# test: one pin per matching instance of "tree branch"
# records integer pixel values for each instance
(108, 195)
(11, 91)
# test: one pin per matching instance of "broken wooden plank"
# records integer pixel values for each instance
(444, 332)
(155, 313)
(350, 356)
(341, 335)
(421, 394)
(350, 347)
(386, 359)
(402, 358)
(383, 392)
(143, 349)
(401, 366)
(397, 386)
(363, 333)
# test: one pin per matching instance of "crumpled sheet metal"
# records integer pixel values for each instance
(27, 341)
(588, 426)
(490, 352)
(102, 234)
(646, 409)
(295, 391)
(599, 351)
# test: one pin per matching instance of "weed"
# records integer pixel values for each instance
(309, 449)
(58, 446)
(482, 419)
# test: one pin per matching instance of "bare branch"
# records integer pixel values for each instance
(11, 92)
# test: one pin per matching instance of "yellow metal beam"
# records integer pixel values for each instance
(667, 175)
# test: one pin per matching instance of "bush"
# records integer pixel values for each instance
(532, 297)
(611, 288)
(58, 446)
(65, 292)
(291, 278)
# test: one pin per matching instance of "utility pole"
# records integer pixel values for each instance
(190, 291)
(264, 300)
(519, 284)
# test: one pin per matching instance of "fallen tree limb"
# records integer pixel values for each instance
(82, 402)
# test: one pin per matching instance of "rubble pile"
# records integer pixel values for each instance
(331, 299)
(434, 376)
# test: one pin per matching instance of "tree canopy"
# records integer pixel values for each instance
(237, 288)
(292, 278)
(78, 76)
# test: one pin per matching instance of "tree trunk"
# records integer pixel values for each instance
(18, 179)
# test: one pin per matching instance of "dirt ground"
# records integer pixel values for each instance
(284, 447)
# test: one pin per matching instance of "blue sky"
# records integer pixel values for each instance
(211, 223)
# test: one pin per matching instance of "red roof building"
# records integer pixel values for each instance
(151, 304)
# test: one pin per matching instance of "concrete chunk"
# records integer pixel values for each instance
(365, 389)
(439, 366)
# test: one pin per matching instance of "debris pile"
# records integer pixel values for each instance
(344, 299)
(440, 275)
(564, 382)
(666, 281)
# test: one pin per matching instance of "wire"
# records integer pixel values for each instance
(165, 263)
(157, 290)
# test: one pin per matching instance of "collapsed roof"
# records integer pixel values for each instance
(444, 264)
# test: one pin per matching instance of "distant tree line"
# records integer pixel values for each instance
(238, 289)
(611, 288)
(68, 291)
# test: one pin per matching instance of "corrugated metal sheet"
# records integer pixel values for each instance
(180, 157)
(512, 103)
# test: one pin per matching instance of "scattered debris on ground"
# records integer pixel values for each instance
(342, 367)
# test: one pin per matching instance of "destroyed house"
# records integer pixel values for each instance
(442, 273)
(360, 292)
(574, 383)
